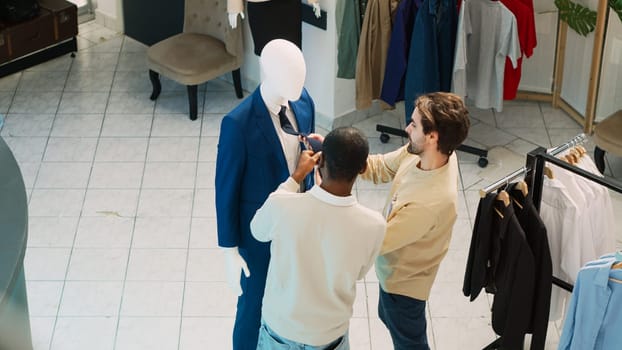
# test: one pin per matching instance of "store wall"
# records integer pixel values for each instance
(333, 97)
(109, 13)
(537, 73)
(610, 88)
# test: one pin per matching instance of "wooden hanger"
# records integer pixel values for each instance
(522, 186)
(548, 172)
(618, 264)
(504, 197)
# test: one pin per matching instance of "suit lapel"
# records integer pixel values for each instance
(266, 127)
(299, 108)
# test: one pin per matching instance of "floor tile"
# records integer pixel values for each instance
(41, 329)
(89, 264)
(169, 175)
(10, 82)
(46, 264)
(133, 61)
(91, 299)
(70, 149)
(56, 203)
(157, 265)
(44, 297)
(83, 102)
(89, 81)
(148, 333)
(211, 124)
(175, 125)
(131, 125)
(177, 103)
(173, 149)
(129, 103)
(51, 232)
(206, 175)
(89, 61)
(152, 299)
(44, 81)
(27, 125)
(132, 81)
(121, 175)
(165, 203)
(110, 202)
(39, 103)
(196, 332)
(75, 125)
(77, 333)
(208, 149)
(63, 175)
(104, 232)
(118, 149)
(209, 299)
(159, 232)
(475, 333)
(204, 203)
(203, 233)
(206, 265)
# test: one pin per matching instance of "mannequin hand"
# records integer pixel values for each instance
(316, 8)
(233, 18)
(306, 162)
(234, 264)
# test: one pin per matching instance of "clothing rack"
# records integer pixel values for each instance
(385, 131)
(533, 172)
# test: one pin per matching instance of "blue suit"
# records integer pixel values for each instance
(249, 166)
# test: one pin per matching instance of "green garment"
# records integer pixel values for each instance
(349, 26)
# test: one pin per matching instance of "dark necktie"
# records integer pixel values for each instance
(288, 128)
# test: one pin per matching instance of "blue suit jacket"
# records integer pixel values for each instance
(251, 164)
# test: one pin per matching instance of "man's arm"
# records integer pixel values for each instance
(383, 167)
(408, 225)
(263, 222)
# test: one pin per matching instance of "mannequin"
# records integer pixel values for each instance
(254, 156)
(271, 19)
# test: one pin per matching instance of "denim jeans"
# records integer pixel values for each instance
(269, 340)
(405, 319)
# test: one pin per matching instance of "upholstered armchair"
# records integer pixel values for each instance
(207, 48)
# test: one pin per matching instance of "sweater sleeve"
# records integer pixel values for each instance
(383, 167)
(262, 224)
(407, 225)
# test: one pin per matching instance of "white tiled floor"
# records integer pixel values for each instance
(122, 252)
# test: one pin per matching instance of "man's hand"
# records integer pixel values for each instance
(233, 18)
(235, 265)
(307, 161)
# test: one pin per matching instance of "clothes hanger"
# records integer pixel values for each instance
(618, 263)
(548, 172)
(503, 195)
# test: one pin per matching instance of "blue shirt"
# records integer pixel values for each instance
(594, 319)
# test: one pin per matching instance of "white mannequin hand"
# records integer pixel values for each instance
(233, 18)
(234, 264)
(316, 8)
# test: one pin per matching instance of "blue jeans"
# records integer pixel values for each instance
(269, 340)
(405, 319)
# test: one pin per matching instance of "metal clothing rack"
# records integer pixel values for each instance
(533, 173)
(385, 131)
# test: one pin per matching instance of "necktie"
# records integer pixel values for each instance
(288, 128)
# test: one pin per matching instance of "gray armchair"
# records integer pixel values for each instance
(207, 48)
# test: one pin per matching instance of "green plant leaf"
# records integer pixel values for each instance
(581, 19)
(616, 6)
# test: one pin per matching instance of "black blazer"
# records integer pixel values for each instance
(501, 260)
(535, 232)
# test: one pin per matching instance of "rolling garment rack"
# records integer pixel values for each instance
(385, 131)
(533, 173)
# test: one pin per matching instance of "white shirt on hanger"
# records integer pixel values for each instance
(487, 34)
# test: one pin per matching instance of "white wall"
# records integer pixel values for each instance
(333, 97)
(109, 13)
(610, 88)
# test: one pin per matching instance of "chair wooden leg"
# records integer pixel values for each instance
(155, 82)
(192, 99)
(237, 83)
(599, 159)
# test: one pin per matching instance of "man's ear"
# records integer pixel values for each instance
(320, 162)
(364, 169)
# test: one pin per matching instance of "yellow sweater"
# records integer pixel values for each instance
(421, 214)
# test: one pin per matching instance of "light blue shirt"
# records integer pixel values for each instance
(594, 319)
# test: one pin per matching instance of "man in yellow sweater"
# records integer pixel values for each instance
(420, 213)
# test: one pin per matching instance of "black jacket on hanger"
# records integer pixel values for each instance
(513, 277)
(477, 274)
(535, 232)
(501, 260)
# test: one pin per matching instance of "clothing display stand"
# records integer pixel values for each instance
(533, 173)
(385, 131)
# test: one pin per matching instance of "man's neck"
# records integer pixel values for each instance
(337, 188)
(432, 161)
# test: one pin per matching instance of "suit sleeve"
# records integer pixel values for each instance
(230, 166)
(383, 167)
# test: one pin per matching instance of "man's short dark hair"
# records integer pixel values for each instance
(345, 152)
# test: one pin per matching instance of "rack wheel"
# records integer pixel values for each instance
(384, 138)
(482, 162)
(73, 55)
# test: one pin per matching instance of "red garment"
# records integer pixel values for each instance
(526, 23)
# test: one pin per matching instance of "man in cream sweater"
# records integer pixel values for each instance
(420, 213)
(323, 241)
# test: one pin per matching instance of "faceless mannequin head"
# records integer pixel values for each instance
(283, 71)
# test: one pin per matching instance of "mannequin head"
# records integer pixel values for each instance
(283, 71)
